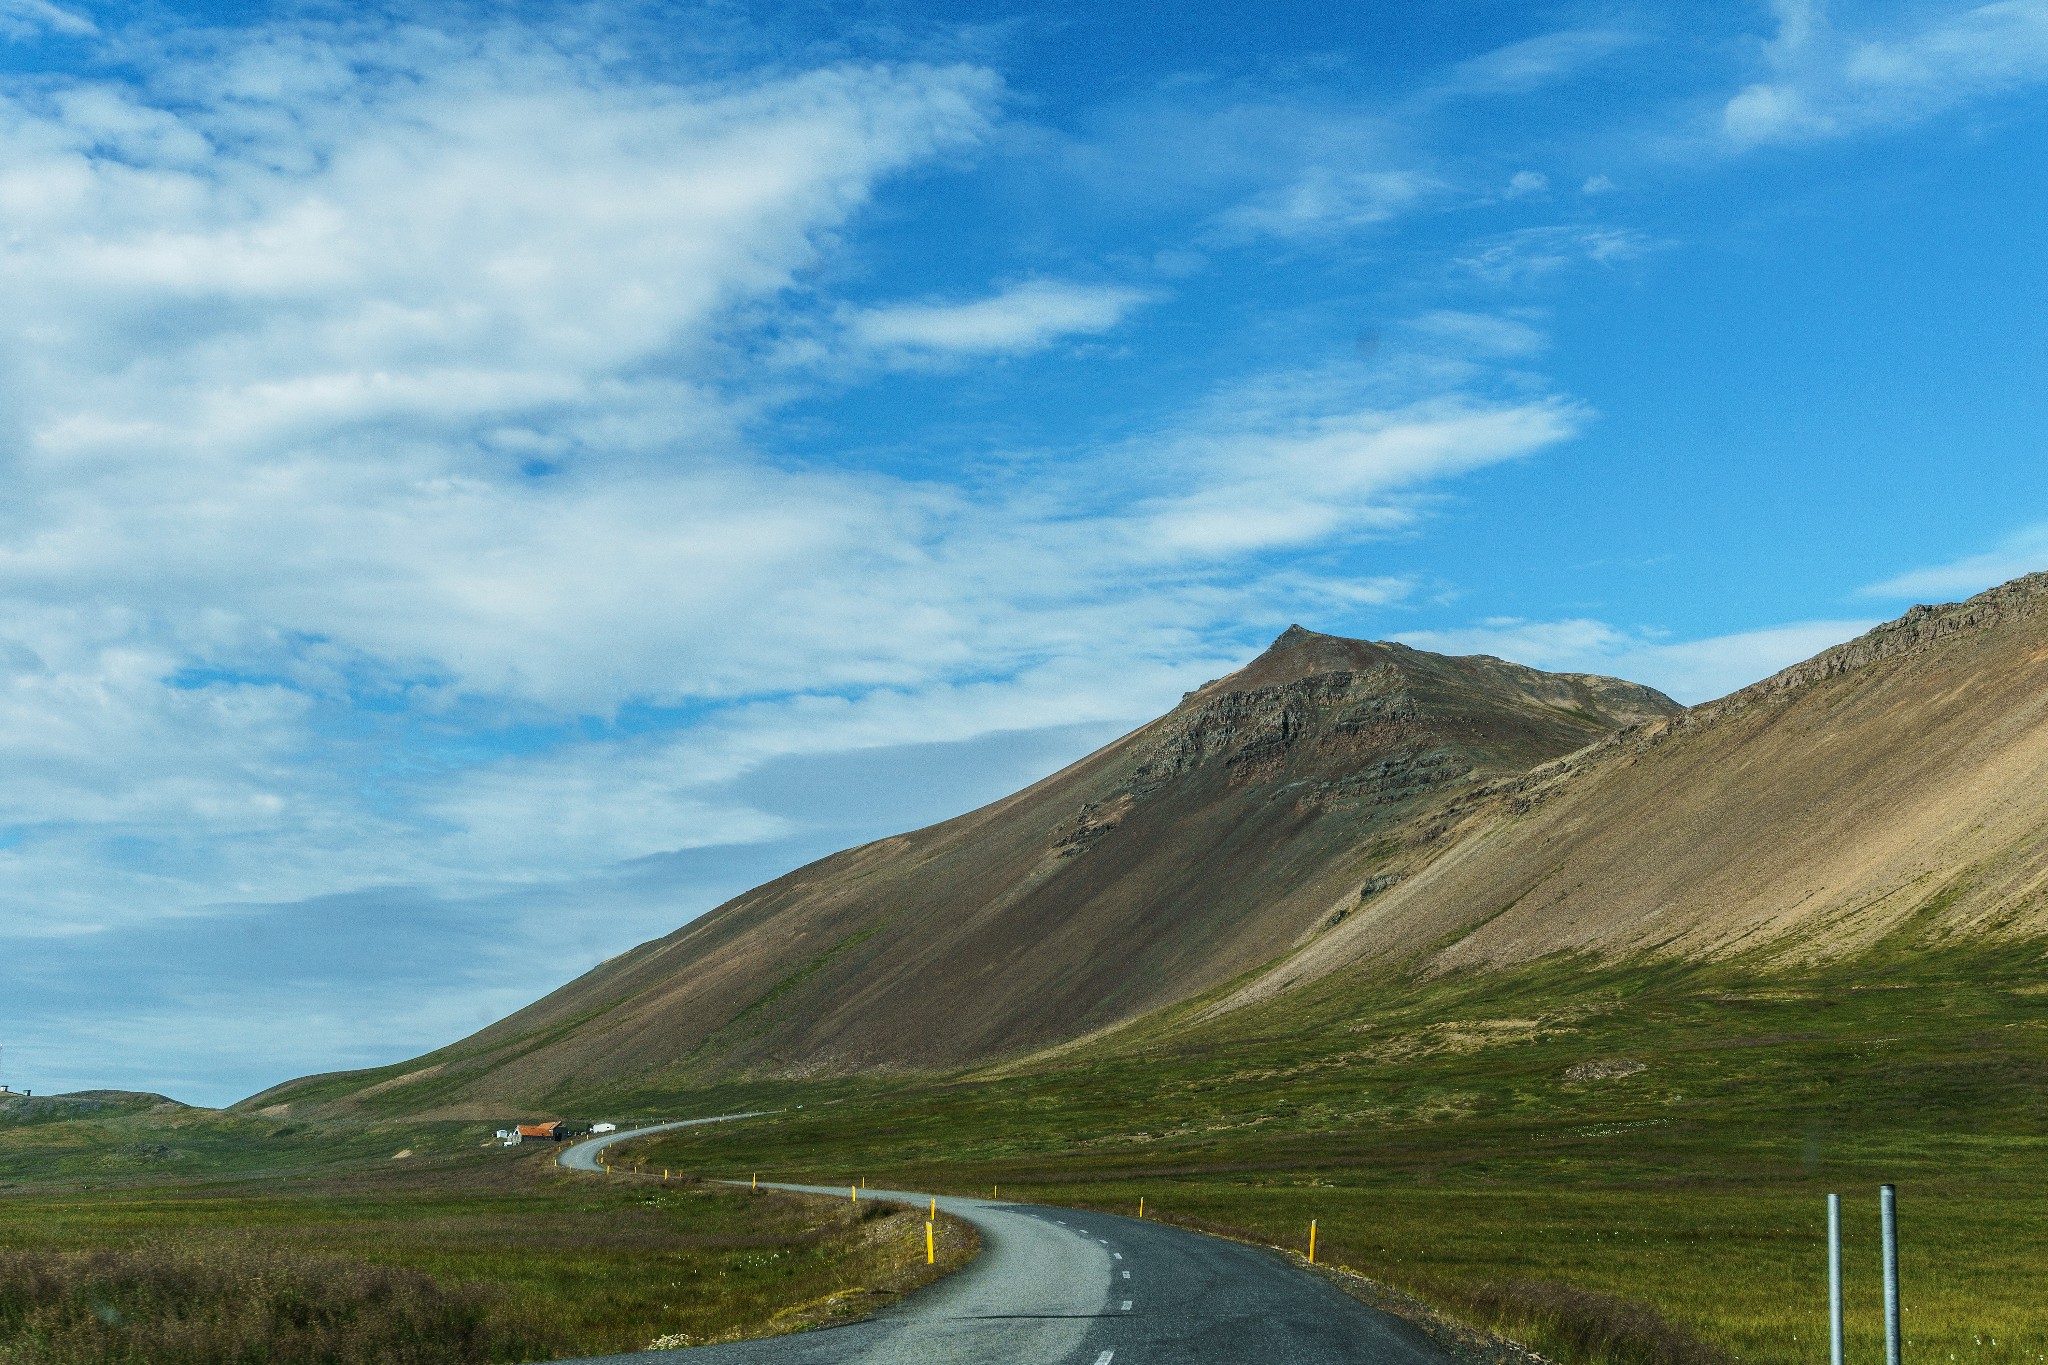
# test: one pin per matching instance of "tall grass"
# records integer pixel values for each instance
(1562, 1319)
(229, 1303)
(493, 1260)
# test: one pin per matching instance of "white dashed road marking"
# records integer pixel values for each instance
(1127, 1274)
(1127, 1305)
(1105, 1358)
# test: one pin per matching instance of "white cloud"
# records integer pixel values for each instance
(1323, 199)
(382, 383)
(27, 18)
(1524, 184)
(368, 372)
(1025, 317)
(1286, 465)
(1823, 82)
(1530, 253)
(2023, 552)
(1291, 169)
(1691, 671)
(1536, 62)
(1484, 334)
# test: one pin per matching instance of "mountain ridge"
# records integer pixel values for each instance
(1166, 863)
(1931, 728)
(1337, 806)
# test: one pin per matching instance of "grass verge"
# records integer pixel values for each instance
(477, 1260)
(1617, 1166)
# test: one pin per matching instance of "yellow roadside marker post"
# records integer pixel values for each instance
(1141, 1206)
(935, 1209)
(1311, 1241)
(931, 1255)
(664, 1175)
(994, 1190)
(853, 1193)
(756, 1187)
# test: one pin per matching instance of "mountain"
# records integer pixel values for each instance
(1894, 784)
(1215, 839)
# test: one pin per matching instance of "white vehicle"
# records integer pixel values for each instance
(604, 1127)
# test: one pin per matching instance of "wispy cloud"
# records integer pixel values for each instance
(1251, 169)
(371, 373)
(1261, 475)
(1533, 63)
(29, 18)
(374, 444)
(1321, 200)
(1824, 82)
(1022, 318)
(1530, 253)
(1690, 671)
(2023, 552)
(1485, 334)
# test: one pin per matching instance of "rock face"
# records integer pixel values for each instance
(1216, 838)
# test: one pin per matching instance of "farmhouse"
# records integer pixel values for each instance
(554, 1130)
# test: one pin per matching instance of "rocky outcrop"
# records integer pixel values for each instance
(1922, 627)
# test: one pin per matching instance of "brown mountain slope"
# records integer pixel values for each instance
(1164, 864)
(1901, 776)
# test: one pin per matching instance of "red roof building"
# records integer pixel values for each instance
(553, 1130)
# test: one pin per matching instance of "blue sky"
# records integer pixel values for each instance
(485, 484)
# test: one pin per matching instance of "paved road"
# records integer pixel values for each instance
(582, 1156)
(1055, 1287)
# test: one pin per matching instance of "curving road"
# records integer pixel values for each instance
(1055, 1287)
(582, 1156)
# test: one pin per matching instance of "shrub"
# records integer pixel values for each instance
(1587, 1326)
(233, 1304)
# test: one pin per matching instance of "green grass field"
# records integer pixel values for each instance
(507, 1258)
(1503, 1146)
(1663, 1136)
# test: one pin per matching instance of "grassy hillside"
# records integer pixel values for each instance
(116, 1139)
(1172, 860)
(1664, 1135)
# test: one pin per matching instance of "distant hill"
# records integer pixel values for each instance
(81, 1102)
(1220, 837)
(1899, 781)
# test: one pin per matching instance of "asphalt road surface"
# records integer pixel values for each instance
(1055, 1287)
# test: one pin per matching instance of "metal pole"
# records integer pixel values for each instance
(1834, 1279)
(1888, 1210)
